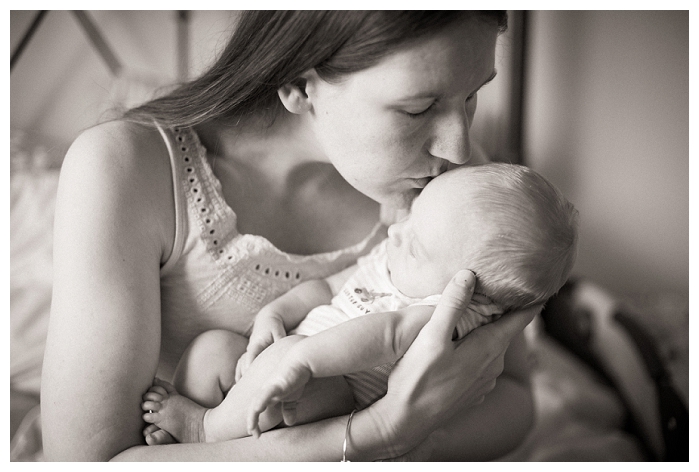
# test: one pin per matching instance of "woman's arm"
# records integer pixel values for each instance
(320, 441)
(104, 331)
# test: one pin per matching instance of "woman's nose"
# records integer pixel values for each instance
(451, 140)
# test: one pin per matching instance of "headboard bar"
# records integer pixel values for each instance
(26, 38)
(99, 42)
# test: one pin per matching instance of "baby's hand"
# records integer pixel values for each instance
(284, 386)
(268, 329)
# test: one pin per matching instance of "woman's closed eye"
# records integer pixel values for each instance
(416, 114)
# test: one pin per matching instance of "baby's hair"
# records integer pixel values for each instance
(532, 251)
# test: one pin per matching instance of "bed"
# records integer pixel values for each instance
(610, 376)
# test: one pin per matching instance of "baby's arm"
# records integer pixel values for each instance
(276, 318)
(285, 313)
(355, 345)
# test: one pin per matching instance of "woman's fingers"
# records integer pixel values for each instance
(503, 330)
(455, 298)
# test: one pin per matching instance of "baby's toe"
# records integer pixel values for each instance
(153, 397)
(151, 417)
(159, 437)
(167, 386)
(151, 406)
(151, 428)
(157, 389)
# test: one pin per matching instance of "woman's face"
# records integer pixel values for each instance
(391, 128)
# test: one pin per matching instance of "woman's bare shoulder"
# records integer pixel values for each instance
(131, 143)
(125, 168)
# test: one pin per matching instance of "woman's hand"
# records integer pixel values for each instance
(438, 377)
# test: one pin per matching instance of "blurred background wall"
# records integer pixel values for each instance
(60, 85)
(607, 121)
(606, 115)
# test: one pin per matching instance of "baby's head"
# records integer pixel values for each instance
(504, 222)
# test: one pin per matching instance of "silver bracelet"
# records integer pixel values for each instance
(344, 443)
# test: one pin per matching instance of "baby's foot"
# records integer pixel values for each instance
(172, 413)
(156, 436)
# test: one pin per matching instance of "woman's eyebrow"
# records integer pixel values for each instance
(432, 95)
(419, 96)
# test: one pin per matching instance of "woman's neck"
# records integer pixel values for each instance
(275, 150)
(281, 186)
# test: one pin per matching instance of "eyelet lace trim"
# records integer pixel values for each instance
(215, 219)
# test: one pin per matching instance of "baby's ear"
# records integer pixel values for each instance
(294, 95)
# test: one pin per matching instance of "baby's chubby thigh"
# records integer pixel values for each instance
(206, 370)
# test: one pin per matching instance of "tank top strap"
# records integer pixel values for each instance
(180, 200)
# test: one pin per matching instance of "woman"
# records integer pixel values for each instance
(387, 99)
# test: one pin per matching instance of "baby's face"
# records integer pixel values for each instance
(435, 241)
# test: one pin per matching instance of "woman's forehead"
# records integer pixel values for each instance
(457, 57)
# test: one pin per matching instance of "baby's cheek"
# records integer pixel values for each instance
(439, 281)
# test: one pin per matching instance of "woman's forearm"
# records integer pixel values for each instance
(314, 442)
(321, 441)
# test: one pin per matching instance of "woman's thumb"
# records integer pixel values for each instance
(453, 302)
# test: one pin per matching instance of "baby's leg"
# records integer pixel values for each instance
(206, 371)
(203, 376)
(322, 398)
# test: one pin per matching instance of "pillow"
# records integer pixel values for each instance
(33, 185)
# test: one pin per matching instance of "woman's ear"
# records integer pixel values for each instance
(294, 95)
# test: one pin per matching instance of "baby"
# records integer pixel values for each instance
(504, 222)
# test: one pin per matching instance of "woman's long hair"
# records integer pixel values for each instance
(269, 49)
